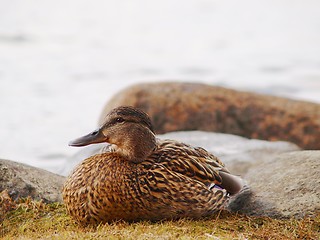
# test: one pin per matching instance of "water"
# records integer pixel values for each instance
(60, 61)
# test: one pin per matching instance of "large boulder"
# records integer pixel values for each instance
(21, 180)
(189, 106)
(283, 186)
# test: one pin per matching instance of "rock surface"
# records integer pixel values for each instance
(22, 180)
(188, 106)
(285, 186)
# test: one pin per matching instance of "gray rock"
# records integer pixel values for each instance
(22, 180)
(283, 186)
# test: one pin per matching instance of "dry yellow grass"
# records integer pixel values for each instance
(27, 219)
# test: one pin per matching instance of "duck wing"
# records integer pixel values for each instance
(195, 163)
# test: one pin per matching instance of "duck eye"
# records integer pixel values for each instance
(119, 120)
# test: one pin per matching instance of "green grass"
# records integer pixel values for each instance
(27, 219)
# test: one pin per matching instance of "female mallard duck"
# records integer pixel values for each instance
(143, 178)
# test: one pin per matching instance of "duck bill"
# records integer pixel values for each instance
(91, 138)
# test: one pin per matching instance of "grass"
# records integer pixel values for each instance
(28, 219)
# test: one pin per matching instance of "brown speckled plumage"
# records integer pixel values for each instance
(141, 178)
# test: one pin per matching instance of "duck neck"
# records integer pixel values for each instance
(138, 144)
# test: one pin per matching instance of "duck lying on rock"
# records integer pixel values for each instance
(139, 177)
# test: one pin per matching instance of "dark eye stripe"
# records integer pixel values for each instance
(129, 114)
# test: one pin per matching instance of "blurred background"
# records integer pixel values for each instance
(61, 60)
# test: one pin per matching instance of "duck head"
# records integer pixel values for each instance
(128, 129)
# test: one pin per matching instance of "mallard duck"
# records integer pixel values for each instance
(140, 177)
